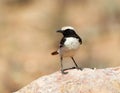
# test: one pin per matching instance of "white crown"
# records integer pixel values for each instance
(67, 27)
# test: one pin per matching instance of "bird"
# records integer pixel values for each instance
(68, 46)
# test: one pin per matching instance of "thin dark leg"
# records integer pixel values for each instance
(76, 64)
(62, 70)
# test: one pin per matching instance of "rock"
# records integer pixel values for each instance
(76, 81)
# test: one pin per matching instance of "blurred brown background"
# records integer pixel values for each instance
(28, 36)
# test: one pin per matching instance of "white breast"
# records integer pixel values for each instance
(72, 43)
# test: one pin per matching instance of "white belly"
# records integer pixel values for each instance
(70, 47)
(72, 43)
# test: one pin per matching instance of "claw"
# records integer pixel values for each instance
(63, 72)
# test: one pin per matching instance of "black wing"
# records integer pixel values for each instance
(62, 42)
(77, 36)
(80, 40)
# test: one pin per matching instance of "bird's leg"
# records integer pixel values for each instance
(77, 67)
(62, 70)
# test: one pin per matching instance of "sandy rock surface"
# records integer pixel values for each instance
(76, 81)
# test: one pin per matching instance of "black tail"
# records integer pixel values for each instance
(54, 53)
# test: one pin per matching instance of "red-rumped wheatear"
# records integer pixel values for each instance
(69, 44)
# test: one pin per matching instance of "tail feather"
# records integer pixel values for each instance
(54, 53)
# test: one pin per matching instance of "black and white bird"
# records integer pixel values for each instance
(69, 44)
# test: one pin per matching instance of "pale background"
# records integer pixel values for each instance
(28, 36)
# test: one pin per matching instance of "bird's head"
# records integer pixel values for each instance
(67, 31)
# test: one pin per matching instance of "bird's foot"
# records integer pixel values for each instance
(63, 72)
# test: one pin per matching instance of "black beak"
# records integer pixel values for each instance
(60, 31)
